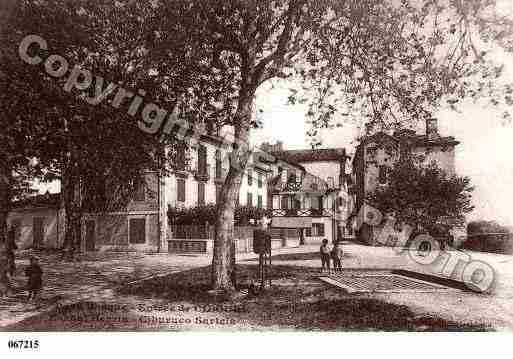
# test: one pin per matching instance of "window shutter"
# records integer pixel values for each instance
(180, 184)
(284, 202)
(219, 164)
(218, 193)
(137, 231)
(250, 177)
(140, 191)
(202, 159)
(382, 175)
(201, 193)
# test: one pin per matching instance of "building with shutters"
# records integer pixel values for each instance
(142, 225)
(38, 221)
(308, 191)
(378, 152)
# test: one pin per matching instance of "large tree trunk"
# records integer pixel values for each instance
(222, 262)
(5, 204)
(72, 212)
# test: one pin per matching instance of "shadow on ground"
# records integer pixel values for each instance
(296, 301)
(296, 257)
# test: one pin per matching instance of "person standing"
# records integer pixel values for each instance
(325, 251)
(336, 255)
(34, 274)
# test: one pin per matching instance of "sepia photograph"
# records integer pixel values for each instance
(252, 166)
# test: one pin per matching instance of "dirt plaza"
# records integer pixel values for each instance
(120, 291)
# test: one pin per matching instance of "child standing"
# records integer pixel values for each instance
(34, 274)
(325, 255)
(336, 255)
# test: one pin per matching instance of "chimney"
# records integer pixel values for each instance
(432, 128)
(267, 147)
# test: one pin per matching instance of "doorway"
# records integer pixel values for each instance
(90, 235)
(38, 228)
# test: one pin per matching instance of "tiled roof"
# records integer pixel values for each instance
(260, 156)
(422, 140)
(418, 140)
(323, 154)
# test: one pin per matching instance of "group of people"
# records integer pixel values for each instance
(329, 254)
(33, 272)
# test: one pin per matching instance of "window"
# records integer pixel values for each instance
(137, 233)
(180, 188)
(320, 201)
(218, 193)
(201, 193)
(331, 182)
(250, 177)
(317, 230)
(180, 158)
(270, 202)
(260, 181)
(284, 202)
(292, 177)
(219, 164)
(38, 232)
(296, 203)
(202, 159)
(259, 201)
(249, 201)
(140, 191)
(382, 177)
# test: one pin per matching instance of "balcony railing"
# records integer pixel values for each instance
(302, 212)
(202, 174)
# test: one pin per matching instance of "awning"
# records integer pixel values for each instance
(291, 222)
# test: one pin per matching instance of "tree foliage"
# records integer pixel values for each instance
(423, 195)
(484, 227)
(201, 215)
(385, 62)
(91, 146)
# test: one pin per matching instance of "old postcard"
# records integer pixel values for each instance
(244, 165)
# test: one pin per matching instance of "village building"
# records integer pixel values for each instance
(376, 155)
(142, 225)
(38, 221)
(305, 191)
(311, 194)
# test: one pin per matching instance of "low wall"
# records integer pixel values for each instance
(244, 245)
(204, 243)
(494, 243)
